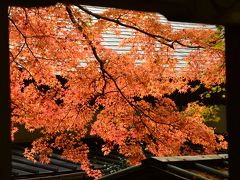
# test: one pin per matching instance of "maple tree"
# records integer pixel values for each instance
(110, 97)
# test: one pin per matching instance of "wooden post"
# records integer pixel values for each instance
(5, 148)
(233, 97)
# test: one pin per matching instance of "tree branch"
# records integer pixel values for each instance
(24, 37)
(155, 36)
(80, 28)
(104, 71)
(14, 58)
(127, 26)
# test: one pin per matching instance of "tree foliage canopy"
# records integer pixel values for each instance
(109, 97)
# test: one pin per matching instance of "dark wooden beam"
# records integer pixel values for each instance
(199, 11)
(233, 97)
(5, 149)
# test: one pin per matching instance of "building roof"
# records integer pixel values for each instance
(112, 41)
(204, 167)
(59, 167)
(113, 167)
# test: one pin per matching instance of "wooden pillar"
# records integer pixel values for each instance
(233, 97)
(5, 147)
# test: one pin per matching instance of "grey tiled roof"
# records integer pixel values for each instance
(177, 167)
(59, 167)
(202, 167)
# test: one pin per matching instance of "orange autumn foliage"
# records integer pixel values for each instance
(106, 97)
